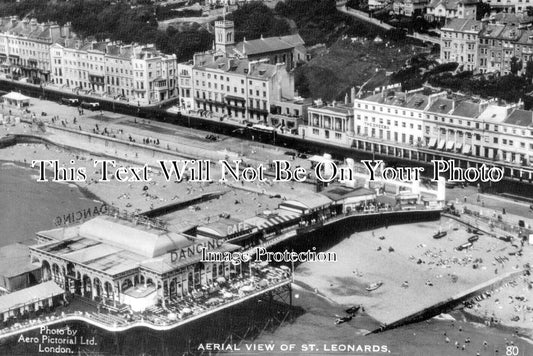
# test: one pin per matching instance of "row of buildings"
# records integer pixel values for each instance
(488, 46)
(422, 126)
(246, 81)
(47, 53)
(432, 10)
(256, 71)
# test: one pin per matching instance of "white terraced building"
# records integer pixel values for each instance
(139, 74)
(419, 126)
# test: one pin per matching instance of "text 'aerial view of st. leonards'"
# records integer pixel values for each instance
(266, 177)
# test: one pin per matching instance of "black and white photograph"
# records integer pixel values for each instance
(266, 177)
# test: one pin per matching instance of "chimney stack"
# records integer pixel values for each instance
(33, 24)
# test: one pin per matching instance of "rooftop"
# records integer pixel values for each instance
(462, 25)
(245, 67)
(15, 260)
(337, 109)
(269, 44)
(337, 193)
(406, 100)
(520, 117)
(29, 295)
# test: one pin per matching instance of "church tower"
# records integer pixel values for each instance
(224, 36)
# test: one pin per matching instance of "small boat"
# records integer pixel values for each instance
(374, 286)
(353, 309)
(440, 234)
(473, 238)
(343, 319)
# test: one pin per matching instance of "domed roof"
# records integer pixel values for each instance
(140, 239)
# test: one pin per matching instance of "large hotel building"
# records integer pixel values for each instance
(422, 126)
(25, 47)
(488, 46)
(246, 81)
(139, 74)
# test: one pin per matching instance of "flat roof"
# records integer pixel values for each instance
(221, 227)
(15, 260)
(341, 192)
(29, 295)
(310, 201)
(93, 254)
(340, 109)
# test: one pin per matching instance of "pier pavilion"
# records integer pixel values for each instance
(128, 260)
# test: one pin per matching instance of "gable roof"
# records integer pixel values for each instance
(269, 44)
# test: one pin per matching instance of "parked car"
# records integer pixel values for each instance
(91, 106)
(70, 101)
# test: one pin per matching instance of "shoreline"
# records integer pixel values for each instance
(85, 192)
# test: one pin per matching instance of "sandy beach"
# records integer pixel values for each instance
(419, 265)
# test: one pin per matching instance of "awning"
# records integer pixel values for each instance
(449, 145)
(232, 97)
(441, 145)
(467, 149)
(432, 143)
(270, 221)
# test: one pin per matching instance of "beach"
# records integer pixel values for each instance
(416, 265)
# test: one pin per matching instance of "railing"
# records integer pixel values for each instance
(115, 323)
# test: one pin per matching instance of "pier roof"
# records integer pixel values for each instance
(33, 294)
(139, 239)
(337, 193)
(223, 228)
(307, 202)
(15, 260)
(272, 218)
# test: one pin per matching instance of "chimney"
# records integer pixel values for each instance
(346, 99)
(33, 24)
(13, 21)
(65, 30)
(55, 32)
(353, 94)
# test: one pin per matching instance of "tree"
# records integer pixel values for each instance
(483, 9)
(529, 71)
(516, 65)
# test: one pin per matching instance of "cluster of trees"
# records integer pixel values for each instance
(319, 21)
(255, 19)
(116, 21)
(508, 87)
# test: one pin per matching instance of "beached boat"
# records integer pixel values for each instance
(440, 234)
(353, 309)
(374, 286)
(342, 319)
